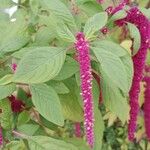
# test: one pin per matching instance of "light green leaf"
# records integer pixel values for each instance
(23, 118)
(40, 65)
(13, 42)
(60, 10)
(6, 79)
(65, 34)
(128, 63)
(28, 129)
(46, 143)
(69, 68)
(113, 67)
(34, 4)
(5, 4)
(119, 15)
(113, 98)
(6, 90)
(47, 103)
(98, 129)
(135, 34)
(95, 23)
(6, 118)
(110, 47)
(71, 108)
(79, 143)
(59, 87)
(15, 145)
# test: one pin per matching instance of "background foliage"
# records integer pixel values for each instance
(39, 37)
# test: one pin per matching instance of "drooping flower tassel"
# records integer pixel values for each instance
(77, 130)
(120, 6)
(82, 48)
(146, 108)
(142, 23)
(1, 138)
(112, 10)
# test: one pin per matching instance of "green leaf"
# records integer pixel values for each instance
(69, 68)
(46, 143)
(113, 98)
(15, 145)
(95, 23)
(44, 36)
(28, 129)
(98, 129)
(47, 103)
(6, 79)
(6, 90)
(119, 15)
(64, 33)
(59, 87)
(13, 42)
(23, 118)
(128, 63)
(79, 143)
(40, 65)
(34, 5)
(60, 10)
(6, 118)
(71, 108)
(135, 34)
(5, 4)
(110, 47)
(113, 67)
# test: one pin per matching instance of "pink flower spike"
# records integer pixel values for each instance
(109, 10)
(120, 6)
(14, 67)
(1, 138)
(78, 130)
(82, 48)
(143, 24)
(146, 108)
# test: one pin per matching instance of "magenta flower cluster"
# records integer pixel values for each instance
(82, 48)
(142, 23)
(146, 108)
(77, 129)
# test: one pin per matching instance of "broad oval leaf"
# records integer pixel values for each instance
(119, 15)
(69, 68)
(110, 47)
(6, 116)
(65, 34)
(6, 90)
(6, 79)
(46, 143)
(47, 103)
(95, 23)
(40, 65)
(60, 10)
(135, 34)
(113, 98)
(113, 67)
